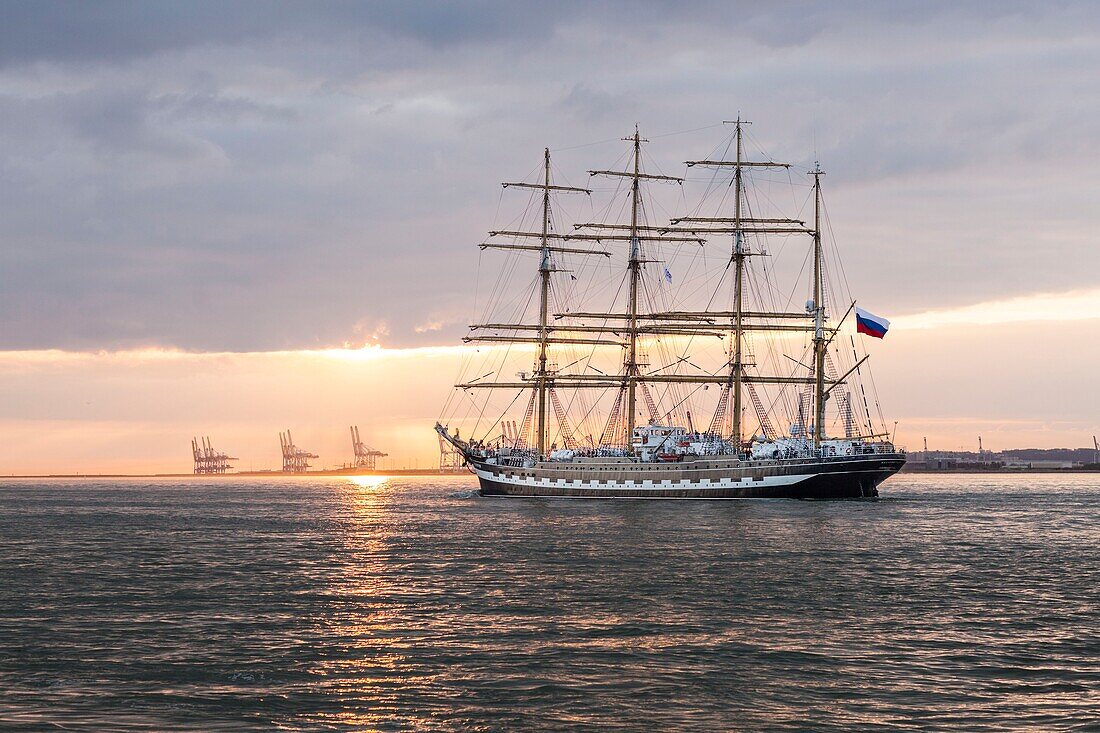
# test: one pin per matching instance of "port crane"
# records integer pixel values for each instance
(295, 460)
(208, 460)
(365, 456)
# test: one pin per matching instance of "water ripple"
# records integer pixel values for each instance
(966, 603)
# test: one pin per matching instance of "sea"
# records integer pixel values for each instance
(954, 602)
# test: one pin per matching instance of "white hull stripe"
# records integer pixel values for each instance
(647, 484)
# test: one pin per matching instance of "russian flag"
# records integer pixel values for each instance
(870, 324)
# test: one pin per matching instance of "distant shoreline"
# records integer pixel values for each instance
(248, 474)
(999, 470)
(347, 472)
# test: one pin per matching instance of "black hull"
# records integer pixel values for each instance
(857, 479)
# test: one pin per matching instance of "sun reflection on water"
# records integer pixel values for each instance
(365, 618)
(368, 482)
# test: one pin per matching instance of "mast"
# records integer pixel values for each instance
(819, 316)
(544, 276)
(631, 365)
(736, 378)
(542, 377)
(739, 262)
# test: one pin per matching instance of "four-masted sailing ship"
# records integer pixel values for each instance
(617, 363)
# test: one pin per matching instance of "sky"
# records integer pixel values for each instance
(231, 219)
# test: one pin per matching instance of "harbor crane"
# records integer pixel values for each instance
(365, 456)
(208, 460)
(295, 460)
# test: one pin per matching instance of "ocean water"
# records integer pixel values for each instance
(957, 602)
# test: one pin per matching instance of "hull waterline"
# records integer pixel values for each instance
(847, 478)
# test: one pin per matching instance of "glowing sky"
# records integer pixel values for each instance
(199, 202)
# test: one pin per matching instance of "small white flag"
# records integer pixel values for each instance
(668, 276)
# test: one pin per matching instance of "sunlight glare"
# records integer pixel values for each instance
(368, 482)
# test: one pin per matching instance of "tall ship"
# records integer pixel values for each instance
(699, 342)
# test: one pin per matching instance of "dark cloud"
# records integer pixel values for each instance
(281, 175)
(122, 30)
(113, 31)
(587, 103)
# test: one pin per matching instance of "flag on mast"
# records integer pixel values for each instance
(870, 324)
(668, 276)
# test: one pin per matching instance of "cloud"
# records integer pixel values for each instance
(1076, 305)
(216, 177)
(587, 103)
(118, 32)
